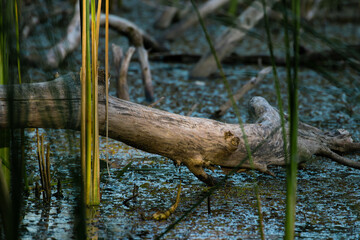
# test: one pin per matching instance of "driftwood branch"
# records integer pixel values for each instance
(230, 38)
(55, 55)
(122, 90)
(196, 142)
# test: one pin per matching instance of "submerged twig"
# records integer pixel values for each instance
(164, 215)
(135, 193)
(157, 102)
(192, 109)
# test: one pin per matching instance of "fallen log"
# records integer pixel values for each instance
(195, 142)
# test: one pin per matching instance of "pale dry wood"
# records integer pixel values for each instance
(117, 58)
(137, 41)
(230, 38)
(55, 55)
(166, 17)
(204, 10)
(146, 73)
(122, 87)
(195, 142)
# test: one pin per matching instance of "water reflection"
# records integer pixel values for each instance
(92, 213)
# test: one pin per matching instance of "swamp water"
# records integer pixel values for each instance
(328, 205)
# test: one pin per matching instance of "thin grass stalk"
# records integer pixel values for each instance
(276, 80)
(83, 96)
(236, 111)
(95, 189)
(98, 13)
(6, 208)
(43, 168)
(259, 208)
(233, 7)
(287, 41)
(96, 158)
(93, 74)
(10, 181)
(291, 170)
(106, 82)
(4, 74)
(48, 180)
(39, 157)
(88, 109)
(17, 39)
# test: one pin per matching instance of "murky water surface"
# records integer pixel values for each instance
(328, 193)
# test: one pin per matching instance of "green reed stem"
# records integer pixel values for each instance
(88, 116)
(233, 7)
(83, 97)
(107, 83)
(291, 170)
(95, 195)
(4, 75)
(276, 78)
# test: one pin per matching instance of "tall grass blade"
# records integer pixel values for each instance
(276, 79)
(83, 94)
(107, 82)
(291, 169)
(88, 118)
(5, 206)
(95, 189)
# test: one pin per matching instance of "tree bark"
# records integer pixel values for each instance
(198, 143)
